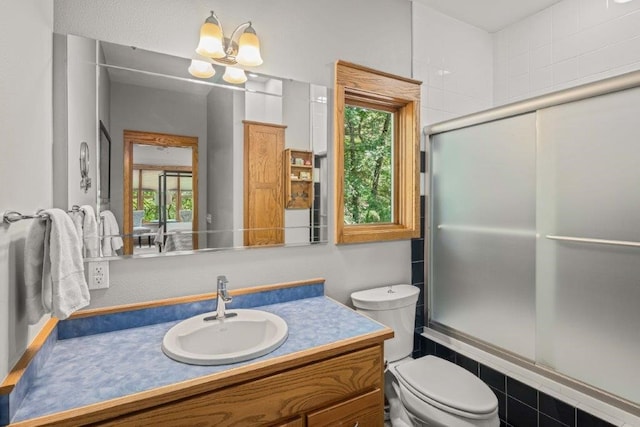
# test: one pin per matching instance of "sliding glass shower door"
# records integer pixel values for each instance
(483, 228)
(588, 215)
(535, 237)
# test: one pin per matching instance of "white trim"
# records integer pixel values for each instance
(588, 90)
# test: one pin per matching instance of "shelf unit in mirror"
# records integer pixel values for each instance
(298, 179)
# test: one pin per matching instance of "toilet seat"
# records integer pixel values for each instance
(445, 386)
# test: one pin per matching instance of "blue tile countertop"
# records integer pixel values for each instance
(93, 368)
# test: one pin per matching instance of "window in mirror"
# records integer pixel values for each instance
(376, 147)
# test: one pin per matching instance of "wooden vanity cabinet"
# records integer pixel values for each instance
(363, 410)
(298, 422)
(345, 389)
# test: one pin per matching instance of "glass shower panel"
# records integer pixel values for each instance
(483, 232)
(589, 292)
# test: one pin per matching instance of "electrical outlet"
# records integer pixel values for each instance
(98, 274)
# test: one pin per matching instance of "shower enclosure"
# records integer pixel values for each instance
(535, 233)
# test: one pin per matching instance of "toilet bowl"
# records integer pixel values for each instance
(428, 391)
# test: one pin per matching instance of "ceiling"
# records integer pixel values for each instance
(490, 15)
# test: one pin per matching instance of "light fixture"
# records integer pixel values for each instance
(621, 1)
(227, 51)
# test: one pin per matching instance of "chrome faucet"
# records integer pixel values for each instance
(223, 298)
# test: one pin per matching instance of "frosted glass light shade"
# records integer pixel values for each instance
(249, 49)
(201, 69)
(234, 75)
(210, 44)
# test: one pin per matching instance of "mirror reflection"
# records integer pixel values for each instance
(196, 164)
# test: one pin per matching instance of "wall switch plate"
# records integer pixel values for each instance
(98, 274)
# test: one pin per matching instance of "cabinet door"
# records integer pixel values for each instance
(263, 170)
(362, 411)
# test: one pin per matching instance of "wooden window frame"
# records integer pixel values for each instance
(361, 86)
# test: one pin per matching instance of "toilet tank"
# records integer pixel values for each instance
(394, 306)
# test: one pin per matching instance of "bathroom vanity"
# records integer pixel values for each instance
(328, 372)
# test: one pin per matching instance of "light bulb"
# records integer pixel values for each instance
(210, 44)
(201, 69)
(234, 75)
(249, 49)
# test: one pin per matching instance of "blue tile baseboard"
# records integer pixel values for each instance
(72, 328)
(519, 404)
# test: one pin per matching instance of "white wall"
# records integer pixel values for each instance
(220, 165)
(454, 62)
(82, 112)
(300, 40)
(568, 44)
(26, 147)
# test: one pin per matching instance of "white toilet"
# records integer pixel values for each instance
(428, 391)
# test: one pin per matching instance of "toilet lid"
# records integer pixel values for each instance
(431, 378)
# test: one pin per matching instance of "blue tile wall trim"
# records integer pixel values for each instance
(72, 328)
(519, 405)
(418, 278)
(9, 403)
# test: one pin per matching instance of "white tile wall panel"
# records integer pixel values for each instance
(572, 42)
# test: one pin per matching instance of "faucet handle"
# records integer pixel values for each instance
(222, 279)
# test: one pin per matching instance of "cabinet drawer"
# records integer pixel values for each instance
(298, 422)
(362, 411)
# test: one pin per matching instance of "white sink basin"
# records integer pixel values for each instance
(247, 335)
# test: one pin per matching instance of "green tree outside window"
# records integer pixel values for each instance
(368, 171)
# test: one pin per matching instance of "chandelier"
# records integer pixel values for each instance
(213, 45)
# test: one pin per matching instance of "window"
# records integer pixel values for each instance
(368, 159)
(376, 148)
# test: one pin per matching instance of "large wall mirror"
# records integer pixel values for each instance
(187, 160)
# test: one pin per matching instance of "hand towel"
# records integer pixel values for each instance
(54, 270)
(110, 228)
(90, 232)
(69, 290)
(78, 219)
(34, 274)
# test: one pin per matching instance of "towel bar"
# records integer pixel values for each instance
(9, 217)
(597, 241)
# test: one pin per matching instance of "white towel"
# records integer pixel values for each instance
(90, 232)
(78, 220)
(34, 275)
(54, 272)
(110, 228)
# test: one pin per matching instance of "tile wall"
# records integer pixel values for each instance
(519, 405)
(454, 62)
(570, 43)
